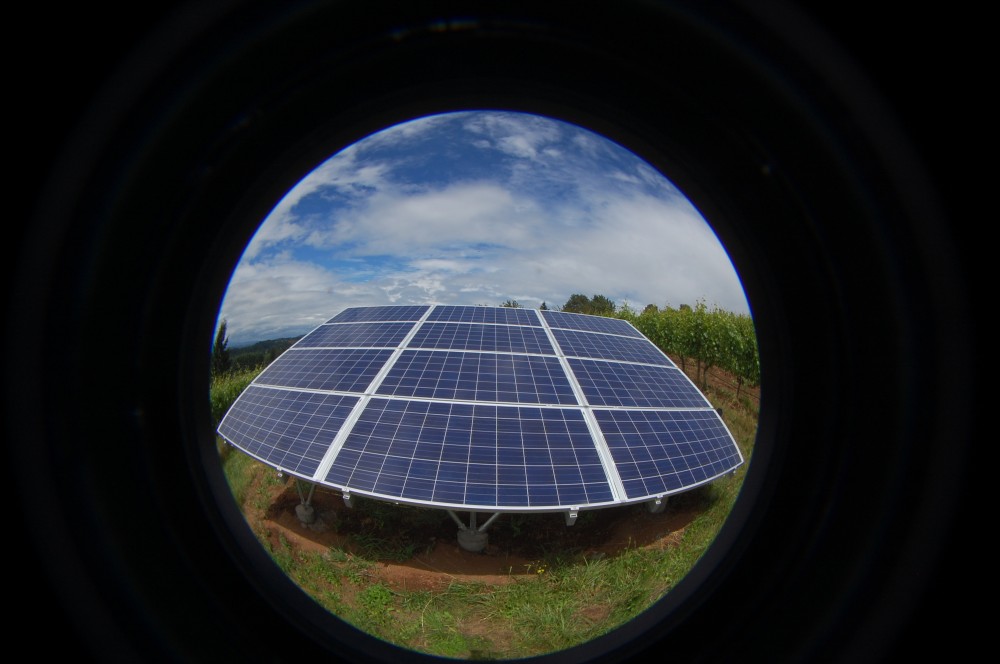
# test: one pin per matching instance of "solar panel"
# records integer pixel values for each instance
(475, 336)
(341, 335)
(482, 408)
(609, 347)
(635, 385)
(472, 314)
(479, 377)
(571, 321)
(358, 314)
(344, 370)
(288, 429)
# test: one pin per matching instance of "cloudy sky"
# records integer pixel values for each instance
(475, 208)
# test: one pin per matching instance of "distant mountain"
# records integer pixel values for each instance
(259, 354)
(264, 346)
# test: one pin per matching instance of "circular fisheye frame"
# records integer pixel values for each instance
(171, 136)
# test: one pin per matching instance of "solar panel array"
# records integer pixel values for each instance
(484, 408)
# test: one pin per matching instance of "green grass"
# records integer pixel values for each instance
(567, 600)
(227, 387)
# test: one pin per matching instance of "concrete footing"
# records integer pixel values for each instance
(306, 513)
(472, 540)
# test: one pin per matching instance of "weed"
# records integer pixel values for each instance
(380, 548)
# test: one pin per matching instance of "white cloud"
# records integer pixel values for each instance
(283, 297)
(522, 136)
(532, 210)
(394, 223)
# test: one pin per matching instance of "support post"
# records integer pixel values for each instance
(304, 510)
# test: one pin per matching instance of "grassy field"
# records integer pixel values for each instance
(569, 600)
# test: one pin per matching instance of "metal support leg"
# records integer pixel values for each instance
(489, 522)
(304, 510)
(312, 489)
(454, 517)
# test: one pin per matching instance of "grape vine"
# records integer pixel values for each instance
(710, 337)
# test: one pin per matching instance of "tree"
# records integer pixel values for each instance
(599, 305)
(602, 306)
(544, 306)
(577, 304)
(513, 304)
(220, 352)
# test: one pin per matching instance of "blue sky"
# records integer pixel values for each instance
(475, 208)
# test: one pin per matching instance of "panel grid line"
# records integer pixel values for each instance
(610, 470)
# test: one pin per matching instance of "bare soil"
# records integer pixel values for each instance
(517, 546)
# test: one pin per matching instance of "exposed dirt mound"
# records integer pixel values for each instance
(421, 548)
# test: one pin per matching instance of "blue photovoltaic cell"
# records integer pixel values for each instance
(472, 455)
(287, 429)
(383, 335)
(463, 406)
(485, 377)
(370, 314)
(334, 369)
(473, 314)
(473, 336)
(665, 451)
(636, 385)
(607, 347)
(561, 319)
